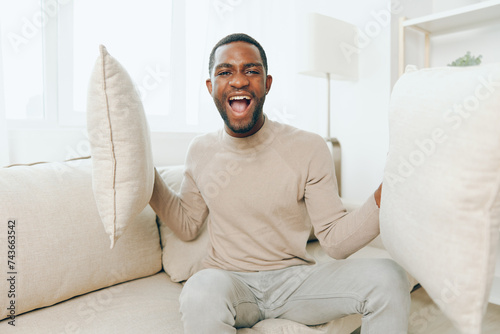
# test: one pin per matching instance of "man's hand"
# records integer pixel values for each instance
(378, 195)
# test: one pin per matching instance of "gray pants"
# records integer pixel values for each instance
(215, 301)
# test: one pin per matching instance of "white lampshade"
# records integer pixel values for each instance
(328, 45)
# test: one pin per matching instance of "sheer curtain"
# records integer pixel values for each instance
(21, 59)
(138, 36)
(4, 145)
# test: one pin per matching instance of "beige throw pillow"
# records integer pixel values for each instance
(123, 173)
(181, 259)
(440, 209)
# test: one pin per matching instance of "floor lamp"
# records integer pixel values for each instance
(327, 49)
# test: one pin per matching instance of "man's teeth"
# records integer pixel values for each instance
(239, 98)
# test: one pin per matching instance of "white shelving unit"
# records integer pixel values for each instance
(446, 22)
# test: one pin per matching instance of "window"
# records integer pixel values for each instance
(138, 35)
(48, 49)
(21, 59)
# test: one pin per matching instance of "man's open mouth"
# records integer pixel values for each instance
(239, 103)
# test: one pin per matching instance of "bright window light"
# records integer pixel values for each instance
(136, 33)
(21, 58)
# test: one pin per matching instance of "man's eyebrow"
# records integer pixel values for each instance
(253, 65)
(223, 65)
(227, 65)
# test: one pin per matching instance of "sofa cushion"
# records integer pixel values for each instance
(61, 248)
(147, 305)
(440, 210)
(123, 173)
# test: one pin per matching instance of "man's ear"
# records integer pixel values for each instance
(269, 81)
(209, 85)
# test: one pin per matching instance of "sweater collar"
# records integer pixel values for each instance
(254, 143)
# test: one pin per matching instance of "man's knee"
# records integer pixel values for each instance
(205, 303)
(391, 283)
(207, 285)
(391, 275)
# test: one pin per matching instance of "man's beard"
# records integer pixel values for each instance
(241, 127)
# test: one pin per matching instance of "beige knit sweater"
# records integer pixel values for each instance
(261, 194)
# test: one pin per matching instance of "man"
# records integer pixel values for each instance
(261, 183)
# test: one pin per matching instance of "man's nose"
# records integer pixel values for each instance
(239, 80)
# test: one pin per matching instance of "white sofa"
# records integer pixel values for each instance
(66, 279)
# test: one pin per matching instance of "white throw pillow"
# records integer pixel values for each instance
(123, 172)
(440, 209)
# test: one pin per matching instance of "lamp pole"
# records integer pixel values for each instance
(335, 144)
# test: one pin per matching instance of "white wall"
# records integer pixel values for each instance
(359, 109)
(4, 145)
(30, 145)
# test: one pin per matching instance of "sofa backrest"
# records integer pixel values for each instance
(60, 247)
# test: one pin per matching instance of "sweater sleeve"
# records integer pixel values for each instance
(339, 233)
(184, 213)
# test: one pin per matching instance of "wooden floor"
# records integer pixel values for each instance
(426, 318)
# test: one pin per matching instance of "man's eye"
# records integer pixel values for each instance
(253, 72)
(223, 73)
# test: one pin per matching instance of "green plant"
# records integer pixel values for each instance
(467, 60)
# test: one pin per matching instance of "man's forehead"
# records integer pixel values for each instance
(238, 49)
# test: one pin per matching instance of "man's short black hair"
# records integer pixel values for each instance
(239, 37)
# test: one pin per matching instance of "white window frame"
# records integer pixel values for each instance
(64, 46)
